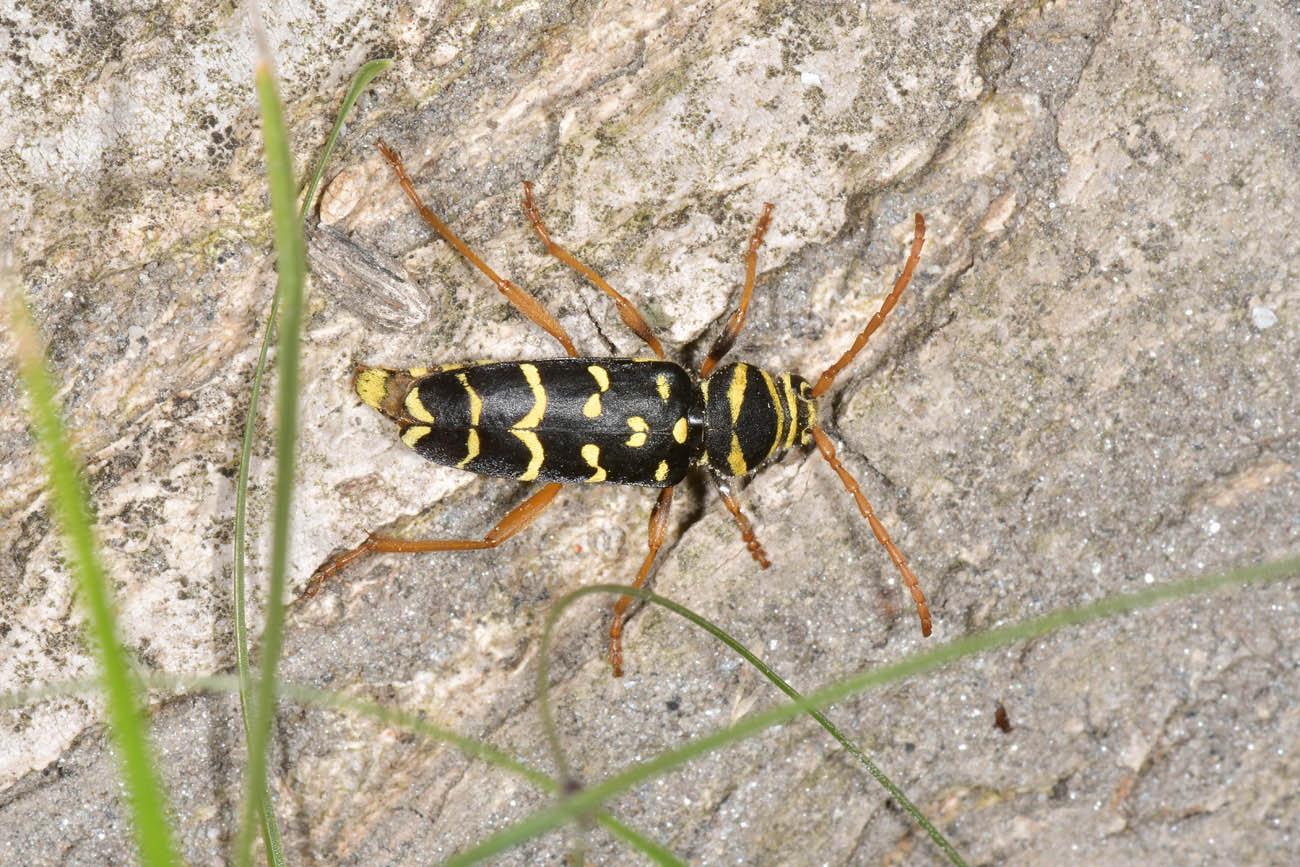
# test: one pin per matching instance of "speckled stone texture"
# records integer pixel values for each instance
(1090, 387)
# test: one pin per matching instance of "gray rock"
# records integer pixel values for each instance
(1068, 404)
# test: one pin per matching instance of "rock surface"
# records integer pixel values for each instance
(1090, 387)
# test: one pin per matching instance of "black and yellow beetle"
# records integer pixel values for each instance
(626, 421)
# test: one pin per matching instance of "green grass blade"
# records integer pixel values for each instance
(653, 850)
(387, 716)
(127, 718)
(270, 830)
(588, 799)
(359, 83)
(561, 760)
(291, 264)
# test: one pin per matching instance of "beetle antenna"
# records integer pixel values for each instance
(827, 378)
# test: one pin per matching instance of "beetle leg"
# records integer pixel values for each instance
(827, 449)
(742, 523)
(828, 377)
(632, 317)
(515, 520)
(523, 302)
(658, 529)
(728, 336)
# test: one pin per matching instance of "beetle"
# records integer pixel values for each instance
(594, 420)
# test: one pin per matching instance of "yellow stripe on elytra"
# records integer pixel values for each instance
(475, 402)
(412, 434)
(679, 430)
(639, 427)
(661, 385)
(776, 406)
(529, 439)
(736, 458)
(736, 391)
(592, 408)
(661, 472)
(471, 449)
(414, 408)
(788, 384)
(591, 454)
(534, 416)
(372, 385)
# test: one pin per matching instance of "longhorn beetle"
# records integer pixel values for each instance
(625, 421)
